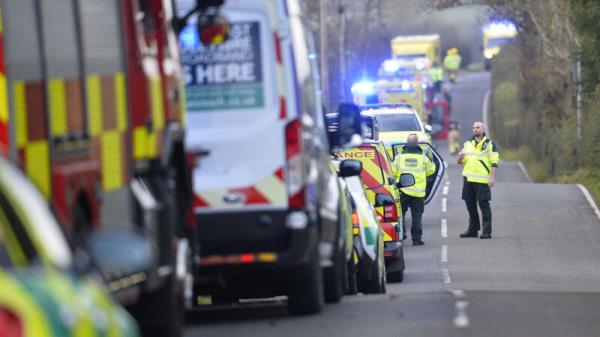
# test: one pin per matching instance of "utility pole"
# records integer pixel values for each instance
(323, 58)
(579, 99)
(342, 51)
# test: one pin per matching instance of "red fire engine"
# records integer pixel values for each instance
(91, 110)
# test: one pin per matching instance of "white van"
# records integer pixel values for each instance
(267, 198)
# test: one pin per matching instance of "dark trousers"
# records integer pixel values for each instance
(473, 194)
(416, 212)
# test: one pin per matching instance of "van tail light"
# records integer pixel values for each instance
(390, 213)
(295, 175)
(10, 324)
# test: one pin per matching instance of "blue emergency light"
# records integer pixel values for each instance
(363, 88)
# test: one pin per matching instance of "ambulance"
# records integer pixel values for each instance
(379, 184)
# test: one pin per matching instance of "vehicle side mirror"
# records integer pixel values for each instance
(406, 180)
(212, 29)
(428, 128)
(350, 168)
(391, 181)
(350, 130)
(383, 199)
(118, 253)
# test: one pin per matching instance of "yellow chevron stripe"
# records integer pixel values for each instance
(213, 198)
(121, 101)
(3, 99)
(273, 189)
(94, 93)
(58, 107)
(112, 166)
(158, 113)
(37, 165)
(20, 113)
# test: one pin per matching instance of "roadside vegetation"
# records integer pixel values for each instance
(536, 115)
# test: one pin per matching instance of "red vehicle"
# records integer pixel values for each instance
(91, 111)
(438, 108)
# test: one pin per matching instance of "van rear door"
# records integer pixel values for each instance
(235, 109)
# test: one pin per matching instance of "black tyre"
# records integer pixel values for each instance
(306, 288)
(161, 313)
(335, 278)
(352, 278)
(397, 273)
(396, 276)
(376, 284)
(82, 227)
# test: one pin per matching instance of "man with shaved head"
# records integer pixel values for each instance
(479, 158)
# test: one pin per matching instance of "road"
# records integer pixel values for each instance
(538, 276)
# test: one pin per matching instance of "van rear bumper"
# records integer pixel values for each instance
(257, 237)
(392, 250)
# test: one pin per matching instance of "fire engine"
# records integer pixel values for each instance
(91, 110)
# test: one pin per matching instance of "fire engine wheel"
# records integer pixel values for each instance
(306, 291)
(161, 313)
(335, 278)
(82, 227)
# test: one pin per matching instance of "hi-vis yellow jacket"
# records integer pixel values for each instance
(414, 161)
(480, 157)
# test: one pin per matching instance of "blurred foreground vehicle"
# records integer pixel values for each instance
(91, 112)
(268, 206)
(45, 290)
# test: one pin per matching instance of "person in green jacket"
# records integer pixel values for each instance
(452, 63)
(412, 159)
(479, 158)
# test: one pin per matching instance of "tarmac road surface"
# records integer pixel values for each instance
(538, 276)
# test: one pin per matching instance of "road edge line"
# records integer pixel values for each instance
(486, 101)
(524, 170)
(590, 200)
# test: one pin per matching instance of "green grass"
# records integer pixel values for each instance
(589, 179)
(539, 173)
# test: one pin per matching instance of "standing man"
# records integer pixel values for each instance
(413, 160)
(479, 158)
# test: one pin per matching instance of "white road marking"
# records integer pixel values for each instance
(444, 228)
(458, 293)
(447, 183)
(524, 170)
(445, 190)
(444, 254)
(444, 204)
(446, 275)
(590, 200)
(461, 320)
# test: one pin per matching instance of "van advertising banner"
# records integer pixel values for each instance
(226, 76)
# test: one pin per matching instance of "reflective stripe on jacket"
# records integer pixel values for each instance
(480, 157)
(419, 165)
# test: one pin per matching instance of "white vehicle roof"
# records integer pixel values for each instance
(390, 111)
(416, 37)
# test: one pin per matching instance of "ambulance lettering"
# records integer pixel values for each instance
(356, 154)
